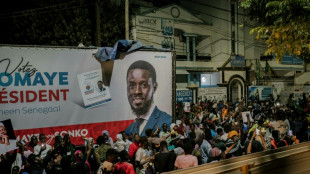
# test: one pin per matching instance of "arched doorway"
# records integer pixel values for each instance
(236, 88)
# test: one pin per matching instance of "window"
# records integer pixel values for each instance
(181, 78)
(210, 80)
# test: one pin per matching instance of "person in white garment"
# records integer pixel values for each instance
(42, 148)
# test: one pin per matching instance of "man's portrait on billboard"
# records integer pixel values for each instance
(141, 87)
(7, 137)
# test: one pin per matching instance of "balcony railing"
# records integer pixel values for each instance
(281, 160)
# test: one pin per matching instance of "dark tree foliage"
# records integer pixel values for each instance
(59, 22)
(113, 22)
(283, 24)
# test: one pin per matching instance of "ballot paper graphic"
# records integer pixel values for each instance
(94, 92)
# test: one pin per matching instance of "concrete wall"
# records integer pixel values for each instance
(303, 79)
(229, 74)
(219, 41)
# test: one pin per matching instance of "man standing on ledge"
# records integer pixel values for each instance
(141, 86)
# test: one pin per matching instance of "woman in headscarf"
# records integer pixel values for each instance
(105, 134)
(120, 143)
(81, 165)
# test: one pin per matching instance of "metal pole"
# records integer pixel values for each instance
(127, 19)
(195, 95)
(237, 28)
(194, 48)
(188, 54)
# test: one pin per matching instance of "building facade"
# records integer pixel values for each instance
(214, 49)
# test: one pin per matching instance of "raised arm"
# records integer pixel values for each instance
(263, 142)
(230, 148)
(249, 149)
(157, 130)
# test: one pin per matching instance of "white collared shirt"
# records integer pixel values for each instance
(146, 117)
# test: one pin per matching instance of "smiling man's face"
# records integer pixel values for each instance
(140, 90)
(2, 130)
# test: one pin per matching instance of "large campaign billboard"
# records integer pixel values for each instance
(59, 90)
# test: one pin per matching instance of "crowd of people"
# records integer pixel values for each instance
(211, 131)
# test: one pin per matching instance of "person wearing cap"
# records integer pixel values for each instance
(232, 133)
(6, 144)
